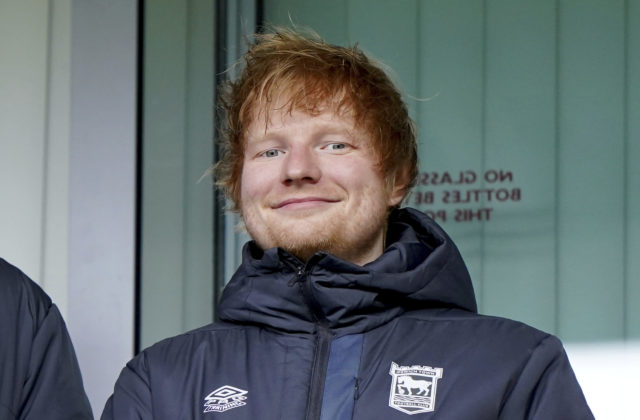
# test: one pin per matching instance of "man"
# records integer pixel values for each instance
(39, 373)
(345, 306)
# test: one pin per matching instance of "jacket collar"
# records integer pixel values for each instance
(420, 268)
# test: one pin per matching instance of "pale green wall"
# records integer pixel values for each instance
(546, 89)
(176, 243)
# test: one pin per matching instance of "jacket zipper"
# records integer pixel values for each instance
(319, 373)
(323, 338)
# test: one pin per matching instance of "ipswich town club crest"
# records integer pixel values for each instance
(413, 388)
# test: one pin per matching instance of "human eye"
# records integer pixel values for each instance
(336, 147)
(270, 153)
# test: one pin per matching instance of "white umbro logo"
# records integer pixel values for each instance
(225, 398)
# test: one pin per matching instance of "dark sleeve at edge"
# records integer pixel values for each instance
(131, 399)
(44, 359)
(547, 388)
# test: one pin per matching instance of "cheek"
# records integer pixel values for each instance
(257, 186)
(248, 199)
(365, 179)
(249, 184)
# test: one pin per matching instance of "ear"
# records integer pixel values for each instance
(396, 187)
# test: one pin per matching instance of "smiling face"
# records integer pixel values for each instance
(311, 183)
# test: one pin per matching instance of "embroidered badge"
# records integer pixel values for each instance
(225, 398)
(413, 388)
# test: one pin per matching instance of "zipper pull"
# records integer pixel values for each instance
(356, 389)
(297, 277)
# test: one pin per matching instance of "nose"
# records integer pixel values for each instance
(300, 166)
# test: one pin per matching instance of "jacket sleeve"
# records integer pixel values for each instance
(131, 399)
(39, 373)
(53, 388)
(547, 388)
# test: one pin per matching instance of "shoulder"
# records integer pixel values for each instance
(523, 368)
(484, 344)
(161, 377)
(483, 331)
(172, 361)
(19, 295)
(215, 330)
(459, 318)
(192, 344)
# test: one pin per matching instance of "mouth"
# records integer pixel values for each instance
(303, 203)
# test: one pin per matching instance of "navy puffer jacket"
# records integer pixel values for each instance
(331, 340)
(39, 373)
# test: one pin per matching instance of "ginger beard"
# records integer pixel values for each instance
(311, 183)
(350, 235)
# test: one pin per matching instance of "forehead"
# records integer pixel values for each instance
(283, 115)
(270, 105)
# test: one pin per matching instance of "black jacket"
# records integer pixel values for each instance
(332, 340)
(39, 373)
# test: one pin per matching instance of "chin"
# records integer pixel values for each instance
(307, 247)
(305, 242)
(303, 253)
